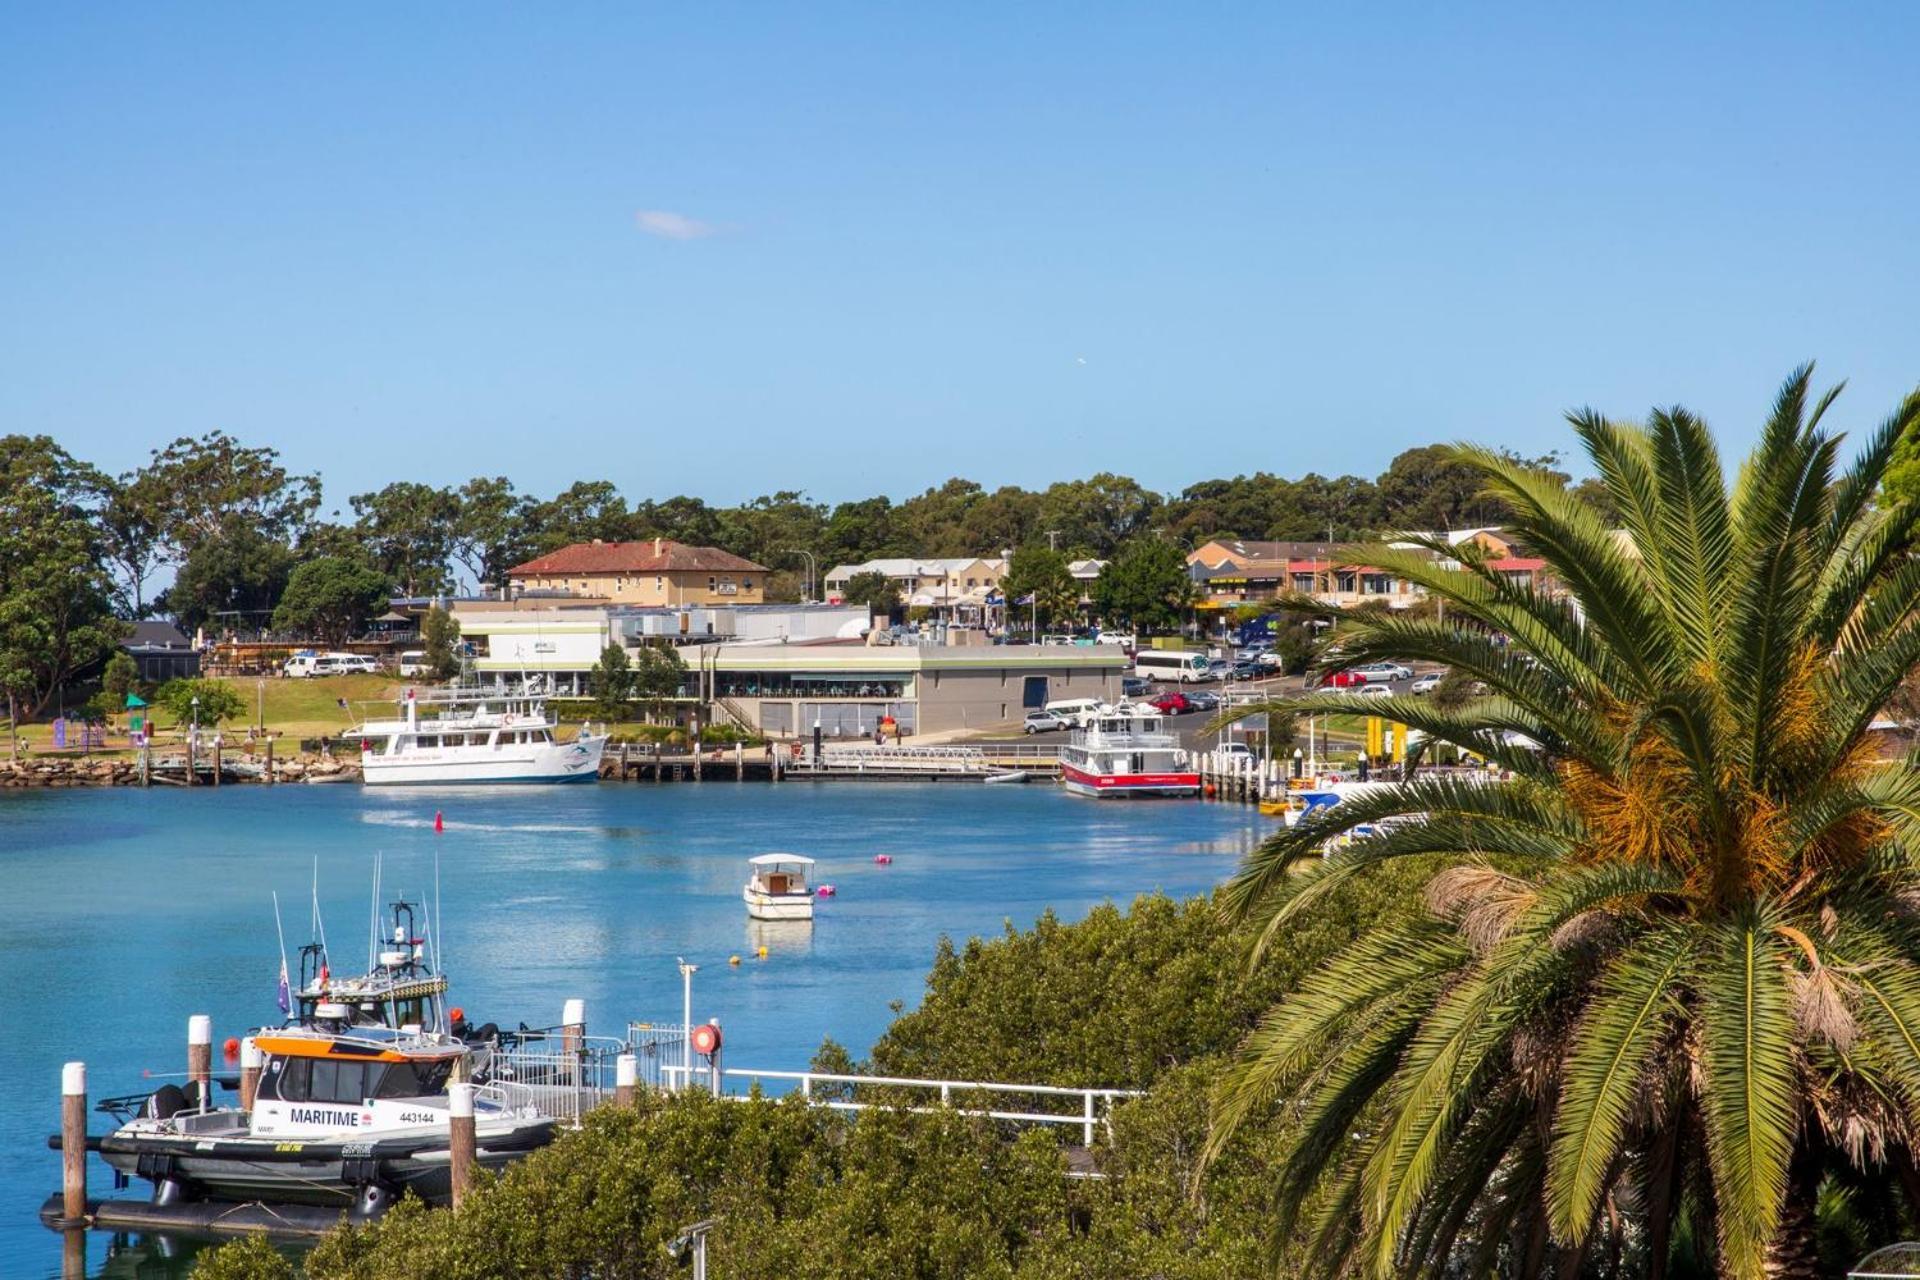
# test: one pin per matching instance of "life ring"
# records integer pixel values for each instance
(706, 1038)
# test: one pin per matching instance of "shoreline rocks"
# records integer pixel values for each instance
(238, 769)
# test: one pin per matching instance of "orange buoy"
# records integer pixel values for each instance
(1210, 790)
(231, 1048)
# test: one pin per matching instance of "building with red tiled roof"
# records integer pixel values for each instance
(658, 571)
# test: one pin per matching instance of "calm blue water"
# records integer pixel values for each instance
(122, 912)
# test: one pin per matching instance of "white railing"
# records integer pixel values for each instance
(1096, 1105)
(901, 759)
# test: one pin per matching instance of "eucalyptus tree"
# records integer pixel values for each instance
(1669, 982)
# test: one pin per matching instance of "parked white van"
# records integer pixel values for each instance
(1075, 712)
(306, 666)
(414, 663)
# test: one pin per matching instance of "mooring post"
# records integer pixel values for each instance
(200, 1059)
(191, 762)
(626, 1078)
(269, 760)
(739, 761)
(73, 1254)
(249, 1072)
(73, 1143)
(699, 749)
(217, 744)
(460, 1139)
(146, 766)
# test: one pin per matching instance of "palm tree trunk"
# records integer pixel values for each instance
(1794, 1254)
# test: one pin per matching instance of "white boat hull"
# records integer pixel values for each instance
(778, 906)
(577, 761)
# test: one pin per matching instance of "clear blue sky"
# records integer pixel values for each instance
(728, 249)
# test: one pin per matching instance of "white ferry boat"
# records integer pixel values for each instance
(471, 737)
(1126, 751)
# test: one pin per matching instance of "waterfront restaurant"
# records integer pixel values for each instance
(781, 668)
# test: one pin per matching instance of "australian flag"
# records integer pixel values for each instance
(286, 999)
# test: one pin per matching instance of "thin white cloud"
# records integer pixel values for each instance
(672, 226)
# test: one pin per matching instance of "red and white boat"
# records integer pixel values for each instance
(1127, 751)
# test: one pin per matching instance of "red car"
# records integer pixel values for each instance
(1342, 680)
(1170, 704)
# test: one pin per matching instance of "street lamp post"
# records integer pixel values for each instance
(686, 1006)
(813, 570)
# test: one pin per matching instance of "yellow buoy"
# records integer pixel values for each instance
(763, 953)
(733, 959)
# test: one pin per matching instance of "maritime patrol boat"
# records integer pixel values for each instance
(351, 1108)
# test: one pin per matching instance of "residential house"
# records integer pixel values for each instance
(657, 571)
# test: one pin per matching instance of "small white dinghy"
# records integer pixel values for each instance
(777, 888)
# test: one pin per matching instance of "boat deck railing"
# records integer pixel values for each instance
(842, 1093)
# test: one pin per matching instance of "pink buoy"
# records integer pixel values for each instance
(824, 891)
(438, 823)
(883, 859)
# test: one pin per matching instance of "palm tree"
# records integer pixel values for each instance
(1666, 983)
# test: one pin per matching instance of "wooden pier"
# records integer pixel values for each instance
(971, 762)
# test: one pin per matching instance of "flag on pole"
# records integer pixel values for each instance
(286, 999)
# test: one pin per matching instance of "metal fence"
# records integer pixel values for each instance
(1092, 1115)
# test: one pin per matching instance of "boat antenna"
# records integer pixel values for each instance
(282, 932)
(318, 923)
(438, 965)
(373, 917)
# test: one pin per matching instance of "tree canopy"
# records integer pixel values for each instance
(56, 615)
(331, 597)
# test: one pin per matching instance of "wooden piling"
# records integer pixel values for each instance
(269, 761)
(249, 1072)
(200, 1059)
(73, 1254)
(73, 1143)
(146, 766)
(626, 1079)
(460, 1139)
(191, 762)
(217, 744)
(698, 751)
(739, 762)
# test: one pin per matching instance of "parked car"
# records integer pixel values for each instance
(1374, 691)
(1237, 750)
(413, 663)
(1248, 669)
(1170, 704)
(1270, 660)
(1042, 722)
(1339, 680)
(1428, 683)
(1134, 686)
(1382, 672)
(1201, 700)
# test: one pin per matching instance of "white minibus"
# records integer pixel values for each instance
(1179, 665)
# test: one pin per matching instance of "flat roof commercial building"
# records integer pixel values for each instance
(779, 668)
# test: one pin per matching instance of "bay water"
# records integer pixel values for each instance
(122, 912)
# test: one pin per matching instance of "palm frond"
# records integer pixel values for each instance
(1747, 1037)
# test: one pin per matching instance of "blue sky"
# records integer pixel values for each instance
(729, 249)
